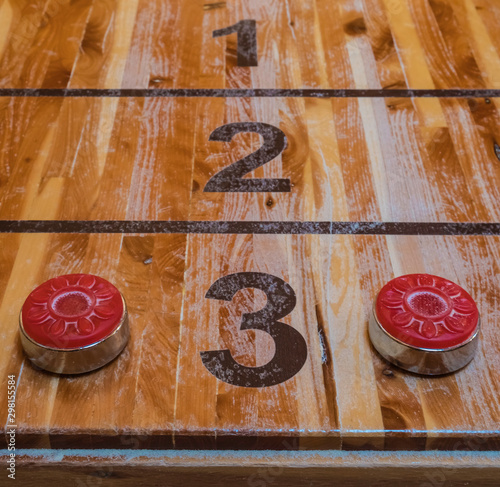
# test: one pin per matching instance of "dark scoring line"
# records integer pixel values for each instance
(250, 93)
(250, 227)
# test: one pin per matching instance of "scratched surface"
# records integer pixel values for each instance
(343, 159)
(316, 43)
(158, 393)
(402, 163)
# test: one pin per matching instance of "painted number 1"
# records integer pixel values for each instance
(231, 178)
(247, 40)
(290, 346)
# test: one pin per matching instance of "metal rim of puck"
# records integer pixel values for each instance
(436, 336)
(74, 324)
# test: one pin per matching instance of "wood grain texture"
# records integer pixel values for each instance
(379, 159)
(158, 394)
(140, 44)
(319, 469)
(346, 159)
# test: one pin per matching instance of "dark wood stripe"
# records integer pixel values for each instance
(250, 227)
(250, 93)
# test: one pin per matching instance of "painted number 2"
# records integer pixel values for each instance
(231, 178)
(290, 346)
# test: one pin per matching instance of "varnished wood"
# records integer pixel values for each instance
(159, 394)
(39, 468)
(139, 43)
(385, 159)
(347, 159)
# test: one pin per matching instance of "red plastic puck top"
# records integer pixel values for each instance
(427, 311)
(72, 311)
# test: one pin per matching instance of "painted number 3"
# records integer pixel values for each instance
(290, 346)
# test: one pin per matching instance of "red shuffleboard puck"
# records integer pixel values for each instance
(425, 324)
(73, 324)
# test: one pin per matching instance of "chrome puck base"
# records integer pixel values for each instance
(420, 360)
(77, 360)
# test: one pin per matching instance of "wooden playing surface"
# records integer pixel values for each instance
(103, 167)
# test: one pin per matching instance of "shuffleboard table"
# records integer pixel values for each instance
(249, 174)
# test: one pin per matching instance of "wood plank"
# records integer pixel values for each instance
(413, 61)
(58, 26)
(410, 43)
(485, 53)
(259, 468)
(447, 47)
(375, 159)
(268, 411)
(490, 16)
(345, 391)
(363, 160)
(28, 261)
